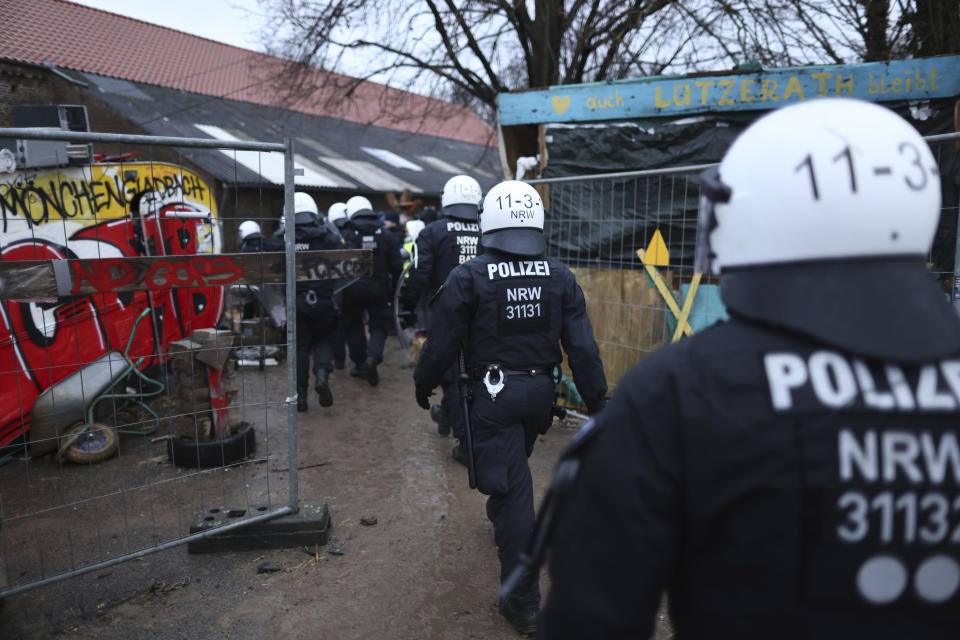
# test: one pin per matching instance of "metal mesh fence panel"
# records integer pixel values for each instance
(630, 239)
(942, 258)
(143, 392)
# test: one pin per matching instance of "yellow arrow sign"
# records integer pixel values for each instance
(657, 253)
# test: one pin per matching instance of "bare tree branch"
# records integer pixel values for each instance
(472, 50)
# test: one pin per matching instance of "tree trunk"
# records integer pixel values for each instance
(936, 27)
(545, 40)
(875, 37)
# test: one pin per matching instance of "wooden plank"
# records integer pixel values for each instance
(746, 90)
(544, 189)
(664, 292)
(35, 280)
(683, 320)
(956, 122)
(627, 314)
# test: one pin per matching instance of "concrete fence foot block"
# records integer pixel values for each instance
(309, 526)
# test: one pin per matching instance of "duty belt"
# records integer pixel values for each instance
(494, 376)
(478, 373)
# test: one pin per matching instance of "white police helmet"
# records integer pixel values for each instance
(820, 217)
(305, 208)
(834, 178)
(337, 211)
(512, 219)
(414, 227)
(247, 228)
(358, 206)
(461, 198)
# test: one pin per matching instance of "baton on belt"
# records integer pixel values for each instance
(467, 431)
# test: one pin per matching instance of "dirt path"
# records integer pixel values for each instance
(427, 569)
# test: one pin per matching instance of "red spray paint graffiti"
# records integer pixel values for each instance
(41, 344)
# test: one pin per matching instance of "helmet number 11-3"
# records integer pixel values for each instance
(527, 201)
(915, 176)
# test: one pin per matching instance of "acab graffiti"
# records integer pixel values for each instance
(39, 198)
(113, 274)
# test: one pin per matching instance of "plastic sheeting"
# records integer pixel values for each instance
(602, 222)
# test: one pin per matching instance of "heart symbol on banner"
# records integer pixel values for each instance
(560, 104)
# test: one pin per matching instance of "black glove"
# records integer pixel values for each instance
(423, 397)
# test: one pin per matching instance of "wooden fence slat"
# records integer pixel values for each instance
(36, 280)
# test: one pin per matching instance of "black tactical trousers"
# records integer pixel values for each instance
(451, 403)
(339, 343)
(315, 331)
(506, 430)
(368, 295)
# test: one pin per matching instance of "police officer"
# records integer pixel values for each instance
(337, 211)
(511, 308)
(411, 310)
(337, 215)
(251, 240)
(441, 246)
(391, 225)
(316, 316)
(783, 474)
(250, 237)
(336, 218)
(373, 294)
(414, 227)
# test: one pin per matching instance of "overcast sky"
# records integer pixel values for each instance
(231, 21)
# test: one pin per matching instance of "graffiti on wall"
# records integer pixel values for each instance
(110, 211)
(86, 193)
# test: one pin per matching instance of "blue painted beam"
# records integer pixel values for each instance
(670, 96)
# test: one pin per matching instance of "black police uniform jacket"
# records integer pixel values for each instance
(441, 246)
(365, 232)
(332, 228)
(253, 243)
(775, 487)
(515, 312)
(312, 295)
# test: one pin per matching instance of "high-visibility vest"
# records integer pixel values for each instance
(411, 249)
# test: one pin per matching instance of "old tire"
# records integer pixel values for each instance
(215, 453)
(95, 443)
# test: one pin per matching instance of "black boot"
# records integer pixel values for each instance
(521, 614)
(369, 372)
(324, 395)
(443, 425)
(301, 400)
(356, 371)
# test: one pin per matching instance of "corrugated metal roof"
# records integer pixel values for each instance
(330, 151)
(269, 165)
(95, 41)
(375, 178)
(392, 159)
(439, 164)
